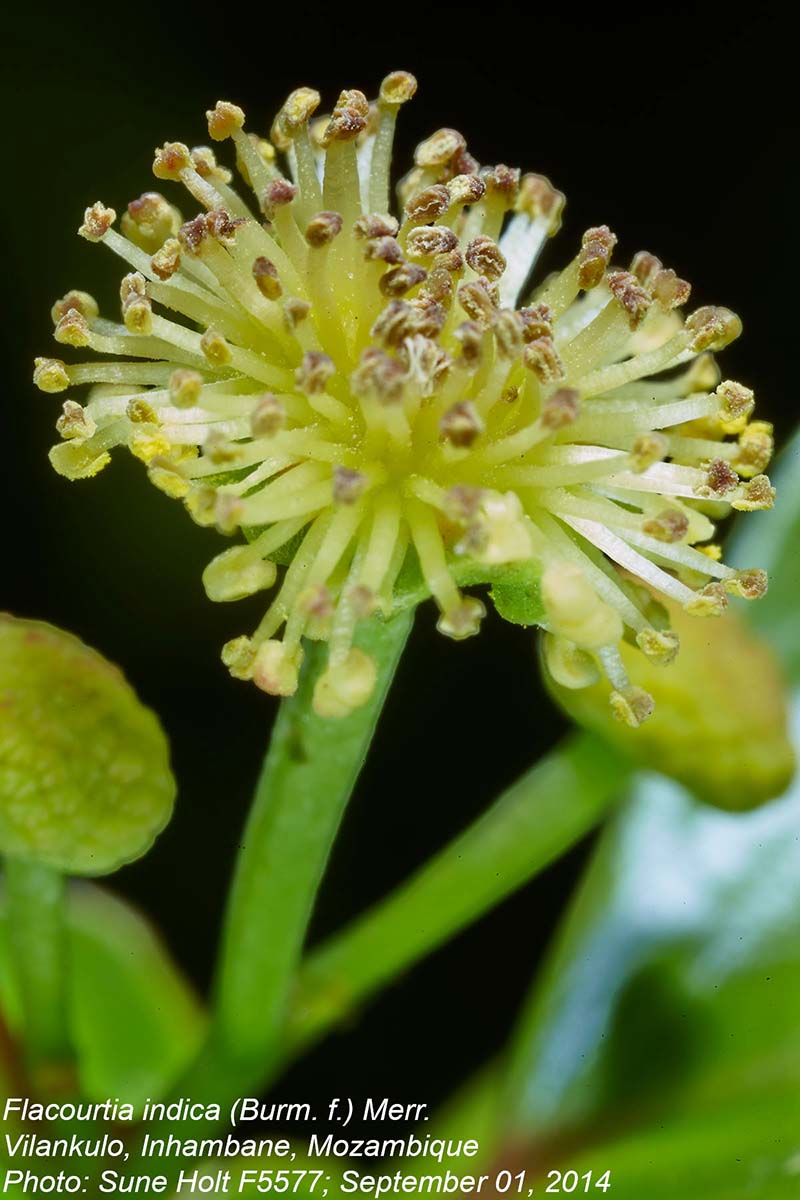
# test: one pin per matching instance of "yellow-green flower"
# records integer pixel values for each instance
(354, 389)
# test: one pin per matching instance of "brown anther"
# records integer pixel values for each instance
(712, 328)
(538, 198)
(205, 163)
(669, 291)
(466, 189)
(72, 329)
(221, 226)
(757, 494)
(297, 111)
(629, 295)
(541, 357)
(439, 148)
(429, 240)
(348, 118)
(383, 249)
(149, 221)
(461, 425)
(50, 375)
(470, 335)
(396, 322)
(192, 234)
(268, 417)
(750, 584)
(348, 485)
(278, 193)
(132, 286)
(645, 267)
(439, 287)
(224, 119)
(485, 257)
(375, 225)
(215, 348)
(597, 245)
(428, 205)
(648, 448)
(720, 479)
(166, 261)
(184, 387)
(560, 409)
(363, 601)
(462, 503)
(397, 88)
(295, 310)
(537, 322)
(316, 601)
(97, 221)
(503, 182)
(74, 422)
(314, 372)
(477, 303)
(508, 332)
(710, 601)
(170, 160)
(756, 445)
(402, 279)
(323, 228)
(671, 525)
(378, 376)
(736, 405)
(265, 273)
(85, 304)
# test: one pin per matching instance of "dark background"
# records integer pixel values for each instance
(679, 134)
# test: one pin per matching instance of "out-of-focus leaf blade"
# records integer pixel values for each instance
(135, 1023)
(85, 782)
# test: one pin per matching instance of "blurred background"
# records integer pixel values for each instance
(678, 135)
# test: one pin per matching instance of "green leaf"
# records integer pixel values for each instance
(135, 1024)
(662, 1040)
(85, 782)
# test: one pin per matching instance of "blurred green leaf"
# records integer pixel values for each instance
(135, 1023)
(663, 1037)
(85, 782)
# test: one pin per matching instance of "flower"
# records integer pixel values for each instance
(357, 392)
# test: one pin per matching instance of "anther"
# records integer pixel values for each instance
(560, 409)
(85, 304)
(538, 198)
(74, 421)
(97, 221)
(736, 405)
(712, 328)
(720, 480)
(671, 525)
(428, 205)
(50, 375)
(184, 387)
(215, 348)
(279, 193)
(660, 645)
(375, 225)
(397, 88)
(297, 111)
(541, 357)
(632, 706)
(485, 257)
(429, 240)
(402, 279)
(314, 372)
(348, 118)
(268, 417)
(537, 322)
(750, 584)
(149, 221)
(165, 262)
(648, 448)
(477, 303)
(439, 148)
(597, 245)
(170, 160)
(383, 249)
(508, 332)
(224, 120)
(630, 295)
(265, 273)
(461, 425)
(466, 189)
(323, 228)
(72, 329)
(348, 485)
(757, 494)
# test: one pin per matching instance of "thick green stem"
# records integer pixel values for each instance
(307, 779)
(35, 900)
(544, 813)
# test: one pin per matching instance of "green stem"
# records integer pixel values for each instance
(308, 776)
(35, 897)
(544, 813)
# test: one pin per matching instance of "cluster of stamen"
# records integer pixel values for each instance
(357, 391)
